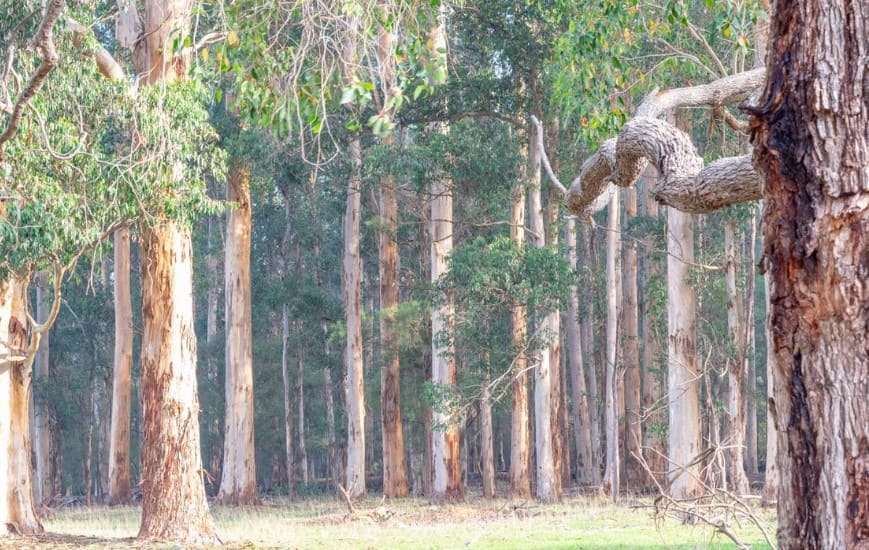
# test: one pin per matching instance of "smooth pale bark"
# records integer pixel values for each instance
(682, 376)
(812, 145)
(394, 475)
(771, 476)
(520, 436)
(215, 448)
(447, 478)
(735, 440)
(586, 465)
(751, 446)
(238, 475)
(290, 463)
(589, 264)
(547, 489)
(17, 513)
(654, 404)
(173, 496)
(635, 474)
(300, 401)
(487, 446)
(42, 437)
(611, 482)
(120, 490)
(354, 383)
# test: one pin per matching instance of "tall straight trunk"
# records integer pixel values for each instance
(547, 488)
(447, 479)
(120, 490)
(215, 447)
(334, 470)
(654, 405)
(812, 146)
(487, 446)
(751, 465)
(635, 474)
(394, 475)
(771, 477)
(585, 472)
(554, 335)
(613, 254)
(173, 497)
(238, 475)
(17, 513)
(42, 436)
(682, 375)
(354, 383)
(288, 403)
(735, 442)
(89, 448)
(587, 334)
(300, 401)
(520, 447)
(174, 507)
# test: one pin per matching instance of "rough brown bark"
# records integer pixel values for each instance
(557, 397)
(238, 474)
(17, 514)
(120, 491)
(173, 495)
(812, 145)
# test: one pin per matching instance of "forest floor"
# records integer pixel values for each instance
(578, 522)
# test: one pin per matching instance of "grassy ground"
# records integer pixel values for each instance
(579, 522)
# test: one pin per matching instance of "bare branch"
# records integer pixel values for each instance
(726, 90)
(555, 181)
(44, 42)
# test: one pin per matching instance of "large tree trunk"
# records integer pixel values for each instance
(520, 447)
(613, 255)
(682, 375)
(556, 368)
(354, 384)
(735, 442)
(215, 447)
(447, 480)
(42, 440)
(587, 466)
(587, 331)
(547, 323)
(17, 514)
(635, 474)
(120, 491)
(812, 146)
(173, 500)
(238, 475)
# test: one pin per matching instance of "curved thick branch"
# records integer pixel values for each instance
(107, 64)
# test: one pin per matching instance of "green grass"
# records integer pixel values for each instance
(579, 522)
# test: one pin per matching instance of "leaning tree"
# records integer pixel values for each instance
(810, 131)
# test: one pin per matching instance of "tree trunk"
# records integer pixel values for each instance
(334, 469)
(238, 475)
(771, 477)
(587, 466)
(547, 489)
(654, 404)
(447, 481)
(812, 146)
(215, 447)
(735, 442)
(682, 376)
(487, 447)
(17, 512)
(173, 497)
(288, 404)
(613, 255)
(43, 443)
(120, 490)
(587, 333)
(300, 398)
(635, 474)
(555, 366)
(354, 384)
(520, 447)
(751, 465)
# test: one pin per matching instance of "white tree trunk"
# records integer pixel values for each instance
(42, 441)
(613, 262)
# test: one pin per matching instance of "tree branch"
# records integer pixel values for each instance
(44, 42)
(107, 65)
